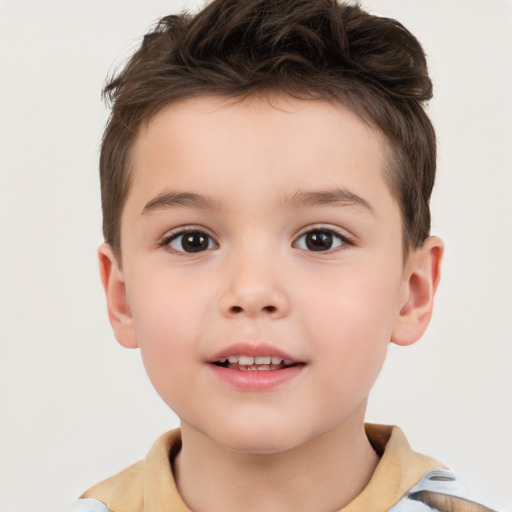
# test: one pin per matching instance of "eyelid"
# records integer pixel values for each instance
(346, 238)
(183, 230)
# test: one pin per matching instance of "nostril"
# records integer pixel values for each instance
(234, 310)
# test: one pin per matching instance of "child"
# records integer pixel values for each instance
(266, 175)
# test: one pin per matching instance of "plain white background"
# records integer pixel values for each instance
(75, 407)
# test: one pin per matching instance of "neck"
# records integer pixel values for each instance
(323, 474)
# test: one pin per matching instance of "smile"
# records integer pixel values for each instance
(250, 363)
(256, 368)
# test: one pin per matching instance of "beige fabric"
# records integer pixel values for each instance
(148, 485)
(399, 469)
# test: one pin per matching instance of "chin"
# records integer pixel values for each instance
(258, 439)
(259, 445)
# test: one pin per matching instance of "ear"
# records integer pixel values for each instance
(119, 312)
(421, 277)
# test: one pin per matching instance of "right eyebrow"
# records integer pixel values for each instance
(167, 200)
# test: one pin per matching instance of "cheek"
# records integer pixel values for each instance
(359, 303)
(351, 323)
(167, 327)
(165, 305)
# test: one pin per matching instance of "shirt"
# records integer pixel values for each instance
(404, 481)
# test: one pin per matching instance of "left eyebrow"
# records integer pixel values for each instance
(181, 200)
(304, 198)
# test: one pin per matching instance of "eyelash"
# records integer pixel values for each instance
(342, 238)
(166, 241)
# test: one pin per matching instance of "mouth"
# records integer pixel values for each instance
(254, 363)
(255, 368)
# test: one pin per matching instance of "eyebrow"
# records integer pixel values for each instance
(180, 199)
(300, 199)
(341, 197)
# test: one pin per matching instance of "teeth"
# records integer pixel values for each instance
(263, 360)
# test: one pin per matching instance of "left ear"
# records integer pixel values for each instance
(421, 277)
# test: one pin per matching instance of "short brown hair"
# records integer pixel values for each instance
(309, 49)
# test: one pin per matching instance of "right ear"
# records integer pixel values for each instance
(119, 312)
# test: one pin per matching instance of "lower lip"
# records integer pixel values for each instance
(256, 380)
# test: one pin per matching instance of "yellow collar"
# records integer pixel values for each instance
(149, 485)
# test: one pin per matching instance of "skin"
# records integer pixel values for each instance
(299, 445)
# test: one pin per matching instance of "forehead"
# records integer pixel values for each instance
(257, 149)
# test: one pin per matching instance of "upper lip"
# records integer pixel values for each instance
(254, 350)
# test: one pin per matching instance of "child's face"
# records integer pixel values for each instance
(293, 250)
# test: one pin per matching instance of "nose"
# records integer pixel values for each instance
(254, 289)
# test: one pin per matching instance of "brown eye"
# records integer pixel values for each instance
(192, 241)
(319, 240)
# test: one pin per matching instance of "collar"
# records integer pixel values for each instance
(149, 485)
(398, 470)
